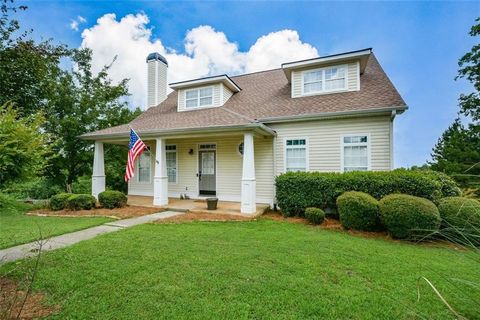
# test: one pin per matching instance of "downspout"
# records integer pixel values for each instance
(274, 160)
(392, 156)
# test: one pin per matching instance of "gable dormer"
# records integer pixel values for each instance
(326, 75)
(204, 93)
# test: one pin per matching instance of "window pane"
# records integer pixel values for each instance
(144, 167)
(334, 73)
(205, 92)
(171, 157)
(192, 94)
(312, 76)
(355, 158)
(205, 101)
(312, 87)
(296, 159)
(208, 163)
(192, 103)
(334, 84)
(355, 139)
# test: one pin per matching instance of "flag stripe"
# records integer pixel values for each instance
(135, 148)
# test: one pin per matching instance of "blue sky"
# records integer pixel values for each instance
(417, 43)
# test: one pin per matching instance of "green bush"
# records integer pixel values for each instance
(36, 188)
(59, 201)
(299, 190)
(112, 199)
(408, 217)
(83, 185)
(315, 215)
(460, 220)
(358, 211)
(81, 201)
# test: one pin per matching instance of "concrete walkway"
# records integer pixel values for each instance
(65, 240)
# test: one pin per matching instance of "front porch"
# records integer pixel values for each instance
(197, 206)
(237, 167)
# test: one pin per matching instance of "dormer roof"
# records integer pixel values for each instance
(226, 80)
(361, 55)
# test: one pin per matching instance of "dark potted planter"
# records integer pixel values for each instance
(212, 203)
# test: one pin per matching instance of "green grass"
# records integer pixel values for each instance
(17, 228)
(261, 269)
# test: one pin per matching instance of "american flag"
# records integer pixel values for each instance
(135, 148)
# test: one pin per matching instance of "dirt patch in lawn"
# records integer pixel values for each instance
(12, 298)
(117, 213)
(192, 216)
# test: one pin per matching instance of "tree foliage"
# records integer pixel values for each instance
(23, 146)
(73, 100)
(457, 152)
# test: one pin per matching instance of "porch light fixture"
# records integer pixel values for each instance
(190, 152)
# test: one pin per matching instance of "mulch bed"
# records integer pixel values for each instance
(118, 213)
(12, 298)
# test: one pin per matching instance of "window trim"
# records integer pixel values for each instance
(343, 145)
(137, 168)
(176, 162)
(307, 152)
(198, 97)
(324, 91)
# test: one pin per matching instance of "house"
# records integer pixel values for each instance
(229, 136)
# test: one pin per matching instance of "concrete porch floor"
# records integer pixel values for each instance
(196, 205)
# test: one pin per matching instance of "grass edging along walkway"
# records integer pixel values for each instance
(20, 228)
(254, 269)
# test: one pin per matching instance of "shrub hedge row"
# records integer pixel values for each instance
(297, 191)
(112, 199)
(72, 201)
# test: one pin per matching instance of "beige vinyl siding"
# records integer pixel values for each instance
(353, 78)
(324, 141)
(226, 94)
(229, 169)
(218, 92)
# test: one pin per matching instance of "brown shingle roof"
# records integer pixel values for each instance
(266, 95)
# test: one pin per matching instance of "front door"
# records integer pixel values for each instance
(206, 172)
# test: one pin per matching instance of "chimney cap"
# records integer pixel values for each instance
(156, 56)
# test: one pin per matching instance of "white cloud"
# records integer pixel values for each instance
(207, 52)
(75, 23)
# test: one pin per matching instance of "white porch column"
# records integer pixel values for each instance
(160, 179)
(98, 174)
(248, 204)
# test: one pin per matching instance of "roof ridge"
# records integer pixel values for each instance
(254, 72)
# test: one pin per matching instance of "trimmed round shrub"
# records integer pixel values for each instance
(81, 201)
(409, 217)
(112, 199)
(59, 201)
(315, 215)
(358, 211)
(460, 220)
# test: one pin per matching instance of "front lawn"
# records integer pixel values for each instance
(17, 228)
(258, 269)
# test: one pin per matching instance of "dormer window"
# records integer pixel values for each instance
(199, 97)
(324, 80)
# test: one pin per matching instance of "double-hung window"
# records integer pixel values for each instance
(171, 155)
(144, 167)
(296, 155)
(324, 80)
(355, 149)
(200, 97)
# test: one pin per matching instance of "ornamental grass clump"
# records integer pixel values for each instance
(460, 220)
(409, 217)
(358, 211)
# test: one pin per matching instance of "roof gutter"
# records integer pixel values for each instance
(330, 115)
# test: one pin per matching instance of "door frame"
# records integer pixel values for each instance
(198, 167)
